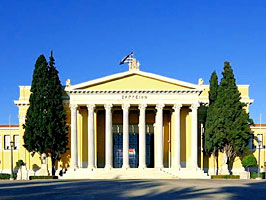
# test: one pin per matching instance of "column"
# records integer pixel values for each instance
(108, 136)
(142, 136)
(155, 141)
(125, 108)
(159, 135)
(91, 146)
(177, 138)
(194, 142)
(74, 152)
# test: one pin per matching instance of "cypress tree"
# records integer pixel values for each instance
(233, 122)
(36, 118)
(212, 141)
(57, 130)
(213, 88)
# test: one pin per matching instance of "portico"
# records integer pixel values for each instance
(161, 105)
(158, 134)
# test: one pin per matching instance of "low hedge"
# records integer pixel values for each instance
(43, 177)
(4, 176)
(255, 175)
(225, 177)
(7, 176)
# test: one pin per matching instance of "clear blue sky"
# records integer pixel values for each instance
(185, 40)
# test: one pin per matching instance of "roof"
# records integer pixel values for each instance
(128, 73)
(7, 126)
(259, 125)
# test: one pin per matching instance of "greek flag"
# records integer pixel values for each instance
(127, 59)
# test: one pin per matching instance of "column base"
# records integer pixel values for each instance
(125, 167)
(142, 167)
(159, 166)
(108, 167)
(74, 167)
(176, 167)
(92, 167)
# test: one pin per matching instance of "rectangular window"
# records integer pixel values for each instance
(251, 142)
(7, 142)
(16, 142)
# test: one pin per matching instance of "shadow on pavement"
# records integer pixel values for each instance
(134, 189)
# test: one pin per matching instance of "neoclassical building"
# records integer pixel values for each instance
(132, 124)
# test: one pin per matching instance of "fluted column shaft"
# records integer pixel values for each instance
(91, 146)
(108, 136)
(74, 151)
(177, 138)
(194, 142)
(142, 136)
(159, 136)
(125, 108)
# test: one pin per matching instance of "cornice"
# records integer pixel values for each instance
(189, 91)
(249, 101)
(21, 103)
(27, 103)
(9, 128)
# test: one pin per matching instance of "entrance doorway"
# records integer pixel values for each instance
(133, 146)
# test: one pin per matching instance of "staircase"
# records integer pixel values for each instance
(187, 173)
(117, 173)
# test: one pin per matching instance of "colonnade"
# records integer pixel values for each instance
(176, 163)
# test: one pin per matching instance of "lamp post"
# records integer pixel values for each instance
(11, 146)
(259, 136)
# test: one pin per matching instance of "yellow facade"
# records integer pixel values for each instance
(136, 82)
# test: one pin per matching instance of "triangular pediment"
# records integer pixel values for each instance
(136, 80)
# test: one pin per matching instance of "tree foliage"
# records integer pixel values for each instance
(57, 130)
(233, 122)
(249, 161)
(211, 140)
(35, 136)
(45, 125)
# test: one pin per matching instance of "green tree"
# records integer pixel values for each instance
(36, 118)
(249, 161)
(45, 125)
(213, 88)
(57, 129)
(233, 122)
(212, 141)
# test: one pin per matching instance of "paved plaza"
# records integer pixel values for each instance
(133, 189)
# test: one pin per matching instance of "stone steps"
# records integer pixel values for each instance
(135, 173)
(187, 173)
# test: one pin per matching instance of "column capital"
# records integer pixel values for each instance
(159, 106)
(177, 106)
(91, 107)
(142, 106)
(194, 106)
(108, 106)
(73, 106)
(125, 106)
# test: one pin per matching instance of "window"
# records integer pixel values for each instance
(0, 142)
(251, 142)
(16, 142)
(7, 142)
